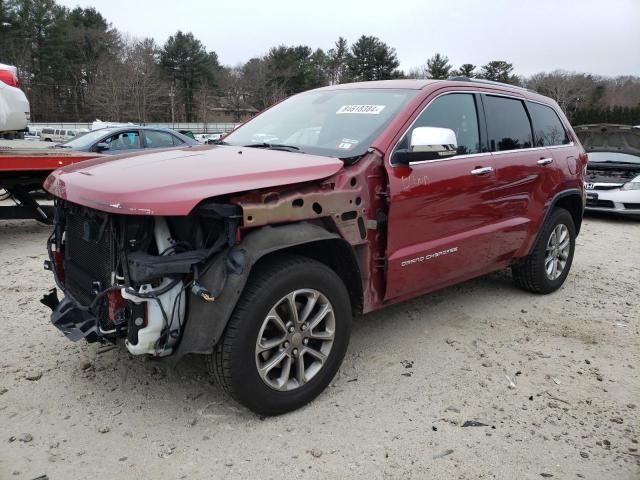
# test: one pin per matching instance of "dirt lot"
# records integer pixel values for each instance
(556, 380)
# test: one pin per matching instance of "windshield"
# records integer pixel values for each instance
(333, 123)
(88, 139)
(613, 157)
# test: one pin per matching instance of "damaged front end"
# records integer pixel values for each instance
(129, 276)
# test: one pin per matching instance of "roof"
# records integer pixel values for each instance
(117, 128)
(420, 84)
(403, 84)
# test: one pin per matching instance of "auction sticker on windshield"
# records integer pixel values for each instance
(362, 109)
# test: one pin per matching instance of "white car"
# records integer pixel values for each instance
(57, 135)
(613, 171)
(207, 137)
(14, 106)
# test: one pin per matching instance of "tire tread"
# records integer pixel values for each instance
(219, 363)
(527, 275)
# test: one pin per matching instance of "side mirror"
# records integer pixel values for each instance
(102, 146)
(428, 143)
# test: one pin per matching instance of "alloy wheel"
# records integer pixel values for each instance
(557, 252)
(295, 339)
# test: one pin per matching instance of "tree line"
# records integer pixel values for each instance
(74, 66)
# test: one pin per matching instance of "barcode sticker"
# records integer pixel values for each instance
(361, 109)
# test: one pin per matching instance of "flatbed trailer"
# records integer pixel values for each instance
(22, 173)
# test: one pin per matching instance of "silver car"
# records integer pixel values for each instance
(613, 171)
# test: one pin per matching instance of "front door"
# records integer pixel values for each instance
(441, 215)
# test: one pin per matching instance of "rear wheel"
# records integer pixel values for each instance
(286, 338)
(547, 267)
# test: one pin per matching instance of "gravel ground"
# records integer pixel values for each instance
(555, 379)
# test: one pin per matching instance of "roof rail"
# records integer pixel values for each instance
(482, 80)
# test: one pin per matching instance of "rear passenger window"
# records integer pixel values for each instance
(507, 124)
(456, 111)
(155, 139)
(547, 127)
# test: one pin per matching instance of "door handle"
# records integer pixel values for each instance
(545, 161)
(481, 171)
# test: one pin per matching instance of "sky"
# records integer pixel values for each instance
(595, 36)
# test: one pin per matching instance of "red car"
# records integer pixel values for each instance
(258, 252)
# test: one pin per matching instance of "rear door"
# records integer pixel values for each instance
(524, 173)
(441, 219)
(550, 133)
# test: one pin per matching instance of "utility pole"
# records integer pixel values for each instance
(172, 95)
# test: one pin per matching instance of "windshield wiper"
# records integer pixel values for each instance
(274, 146)
(61, 146)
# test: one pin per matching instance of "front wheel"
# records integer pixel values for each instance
(286, 338)
(547, 267)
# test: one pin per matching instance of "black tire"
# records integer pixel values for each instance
(233, 362)
(531, 274)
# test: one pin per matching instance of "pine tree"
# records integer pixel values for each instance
(498, 71)
(338, 62)
(372, 59)
(190, 65)
(438, 67)
(465, 70)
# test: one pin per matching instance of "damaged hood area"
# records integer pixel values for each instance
(606, 137)
(173, 182)
(614, 152)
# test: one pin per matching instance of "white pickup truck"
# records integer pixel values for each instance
(14, 106)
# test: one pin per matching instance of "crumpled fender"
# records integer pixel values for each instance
(206, 321)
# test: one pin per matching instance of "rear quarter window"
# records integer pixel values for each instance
(508, 124)
(547, 128)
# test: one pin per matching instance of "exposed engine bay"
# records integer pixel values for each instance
(131, 277)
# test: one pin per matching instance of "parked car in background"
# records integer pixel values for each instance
(613, 171)
(212, 138)
(126, 139)
(257, 253)
(208, 138)
(187, 133)
(14, 106)
(31, 134)
(57, 135)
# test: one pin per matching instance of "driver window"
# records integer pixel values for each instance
(124, 141)
(455, 111)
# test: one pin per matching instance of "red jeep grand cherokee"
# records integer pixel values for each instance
(336, 202)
